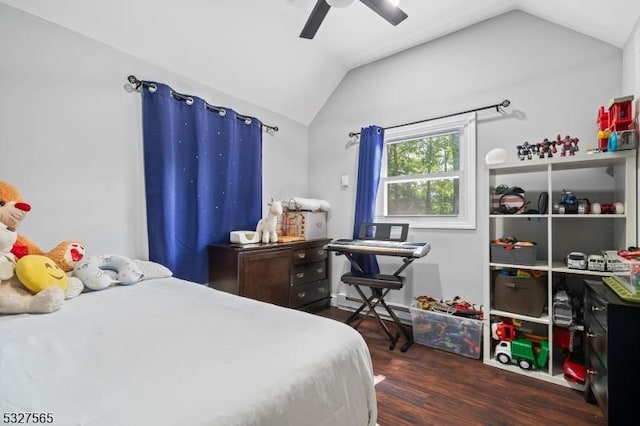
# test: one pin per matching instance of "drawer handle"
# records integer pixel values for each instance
(597, 309)
(301, 295)
(320, 270)
(322, 290)
(300, 274)
(302, 255)
(320, 252)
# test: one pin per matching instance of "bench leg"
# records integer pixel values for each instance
(378, 297)
(404, 331)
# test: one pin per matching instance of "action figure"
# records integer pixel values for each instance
(525, 151)
(568, 144)
(547, 147)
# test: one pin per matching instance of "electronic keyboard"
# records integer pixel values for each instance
(380, 247)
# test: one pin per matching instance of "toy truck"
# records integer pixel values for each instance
(596, 262)
(527, 354)
(614, 262)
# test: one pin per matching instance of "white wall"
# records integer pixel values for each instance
(71, 136)
(555, 78)
(631, 74)
(631, 63)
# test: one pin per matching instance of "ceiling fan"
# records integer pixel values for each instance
(385, 8)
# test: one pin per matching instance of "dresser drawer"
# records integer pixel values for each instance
(597, 311)
(309, 254)
(291, 274)
(308, 272)
(307, 293)
(597, 379)
(597, 339)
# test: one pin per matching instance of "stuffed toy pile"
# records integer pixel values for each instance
(32, 280)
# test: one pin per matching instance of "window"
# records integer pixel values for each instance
(428, 174)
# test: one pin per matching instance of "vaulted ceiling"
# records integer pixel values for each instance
(250, 48)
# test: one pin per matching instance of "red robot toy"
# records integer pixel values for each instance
(568, 145)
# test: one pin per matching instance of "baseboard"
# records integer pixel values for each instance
(350, 303)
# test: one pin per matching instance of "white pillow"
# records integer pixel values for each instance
(152, 270)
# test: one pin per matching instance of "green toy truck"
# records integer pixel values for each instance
(527, 354)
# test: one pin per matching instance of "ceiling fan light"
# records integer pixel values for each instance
(339, 3)
(394, 3)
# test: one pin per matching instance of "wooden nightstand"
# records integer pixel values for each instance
(293, 274)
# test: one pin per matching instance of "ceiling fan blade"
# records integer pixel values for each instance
(315, 19)
(393, 14)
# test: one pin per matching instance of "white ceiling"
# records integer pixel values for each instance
(250, 48)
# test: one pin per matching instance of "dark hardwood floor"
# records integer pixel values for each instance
(426, 386)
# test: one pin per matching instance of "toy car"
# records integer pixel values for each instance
(596, 262)
(576, 260)
(573, 369)
(562, 309)
(614, 262)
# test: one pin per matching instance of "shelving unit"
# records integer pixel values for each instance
(602, 177)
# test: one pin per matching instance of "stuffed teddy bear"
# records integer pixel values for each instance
(50, 286)
(7, 259)
(13, 210)
(266, 228)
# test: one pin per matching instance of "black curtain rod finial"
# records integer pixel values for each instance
(133, 80)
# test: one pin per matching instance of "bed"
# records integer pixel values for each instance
(170, 352)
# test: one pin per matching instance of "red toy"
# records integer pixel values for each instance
(503, 331)
(567, 145)
(547, 147)
(573, 364)
(620, 113)
(618, 118)
(603, 128)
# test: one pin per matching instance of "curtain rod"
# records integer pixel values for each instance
(497, 106)
(137, 83)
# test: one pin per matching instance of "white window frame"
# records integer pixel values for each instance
(465, 125)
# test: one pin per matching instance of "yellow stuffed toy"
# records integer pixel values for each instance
(38, 273)
(45, 287)
(45, 284)
(13, 210)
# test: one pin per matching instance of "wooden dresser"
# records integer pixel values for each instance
(294, 274)
(611, 351)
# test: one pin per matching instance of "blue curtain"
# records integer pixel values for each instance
(369, 164)
(203, 177)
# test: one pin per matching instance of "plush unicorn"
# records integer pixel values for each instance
(266, 228)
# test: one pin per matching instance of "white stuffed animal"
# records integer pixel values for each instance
(7, 260)
(266, 228)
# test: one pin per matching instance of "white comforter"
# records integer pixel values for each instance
(170, 352)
